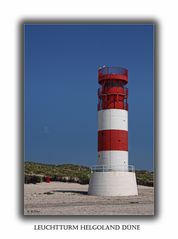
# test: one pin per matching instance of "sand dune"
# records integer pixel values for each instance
(57, 198)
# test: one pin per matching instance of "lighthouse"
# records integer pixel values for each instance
(112, 176)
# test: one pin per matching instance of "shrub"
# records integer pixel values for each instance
(33, 179)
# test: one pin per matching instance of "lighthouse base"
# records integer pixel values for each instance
(113, 184)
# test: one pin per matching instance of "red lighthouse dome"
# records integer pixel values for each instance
(112, 94)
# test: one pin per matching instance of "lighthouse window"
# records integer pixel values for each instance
(107, 84)
(113, 84)
(116, 83)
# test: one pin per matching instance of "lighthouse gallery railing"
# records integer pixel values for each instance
(113, 168)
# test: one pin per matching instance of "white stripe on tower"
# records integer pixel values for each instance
(113, 157)
(113, 119)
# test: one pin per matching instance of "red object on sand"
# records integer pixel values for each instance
(47, 179)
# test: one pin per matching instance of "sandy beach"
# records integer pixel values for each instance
(57, 198)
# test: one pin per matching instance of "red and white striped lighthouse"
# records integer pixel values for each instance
(113, 117)
(112, 175)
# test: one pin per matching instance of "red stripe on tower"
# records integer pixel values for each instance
(112, 140)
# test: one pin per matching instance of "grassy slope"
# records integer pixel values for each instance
(72, 173)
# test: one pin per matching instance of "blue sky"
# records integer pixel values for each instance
(61, 63)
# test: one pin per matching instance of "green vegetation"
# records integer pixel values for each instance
(145, 178)
(63, 173)
(36, 172)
